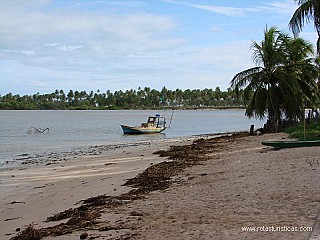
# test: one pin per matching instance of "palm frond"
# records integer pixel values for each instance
(242, 79)
(304, 13)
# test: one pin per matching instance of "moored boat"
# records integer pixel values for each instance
(155, 124)
(291, 144)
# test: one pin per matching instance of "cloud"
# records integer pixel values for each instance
(28, 53)
(47, 45)
(103, 3)
(102, 37)
(215, 29)
(68, 48)
(286, 8)
(51, 44)
(141, 56)
(19, 52)
(25, 27)
(228, 11)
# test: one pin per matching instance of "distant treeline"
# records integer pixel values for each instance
(143, 98)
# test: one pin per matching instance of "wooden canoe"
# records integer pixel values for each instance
(291, 144)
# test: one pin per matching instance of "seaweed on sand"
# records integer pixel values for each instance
(30, 233)
(155, 177)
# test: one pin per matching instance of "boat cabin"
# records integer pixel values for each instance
(154, 122)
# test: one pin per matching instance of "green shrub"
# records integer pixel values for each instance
(312, 131)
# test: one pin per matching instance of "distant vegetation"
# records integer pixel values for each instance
(143, 98)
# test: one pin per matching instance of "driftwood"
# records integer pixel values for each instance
(37, 130)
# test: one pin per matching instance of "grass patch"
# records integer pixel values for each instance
(297, 131)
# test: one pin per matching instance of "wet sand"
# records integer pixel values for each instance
(42, 186)
(203, 189)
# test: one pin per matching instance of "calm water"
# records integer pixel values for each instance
(74, 129)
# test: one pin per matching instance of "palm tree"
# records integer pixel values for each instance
(279, 83)
(62, 96)
(70, 97)
(308, 11)
(304, 68)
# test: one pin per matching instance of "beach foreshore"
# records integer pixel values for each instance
(230, 187)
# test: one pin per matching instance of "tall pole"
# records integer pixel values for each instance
(304, 125)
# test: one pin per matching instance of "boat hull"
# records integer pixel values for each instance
(291, 144)
(141, 130)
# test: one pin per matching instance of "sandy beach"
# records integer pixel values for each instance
(199, 188)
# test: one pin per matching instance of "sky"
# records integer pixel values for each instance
(121, 44)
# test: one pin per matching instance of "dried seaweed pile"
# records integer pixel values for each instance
(85, 217)
(155, 177)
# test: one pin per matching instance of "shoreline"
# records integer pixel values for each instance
(51, 189)
(54, 157)
(138, 109)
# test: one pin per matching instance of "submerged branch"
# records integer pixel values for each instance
(37, 130)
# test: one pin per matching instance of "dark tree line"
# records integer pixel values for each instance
(142, 98)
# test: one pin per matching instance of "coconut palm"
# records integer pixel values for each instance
(303, 71)
(282, 79)
(300, 58)
(308, 11)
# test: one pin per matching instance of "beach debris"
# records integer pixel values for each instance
(84, 235)
(312, 161)
(251, 129)
(10, 219)
(136, 214)
(30, 233)
(62, 215)
(37, 130)
(16, 202)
